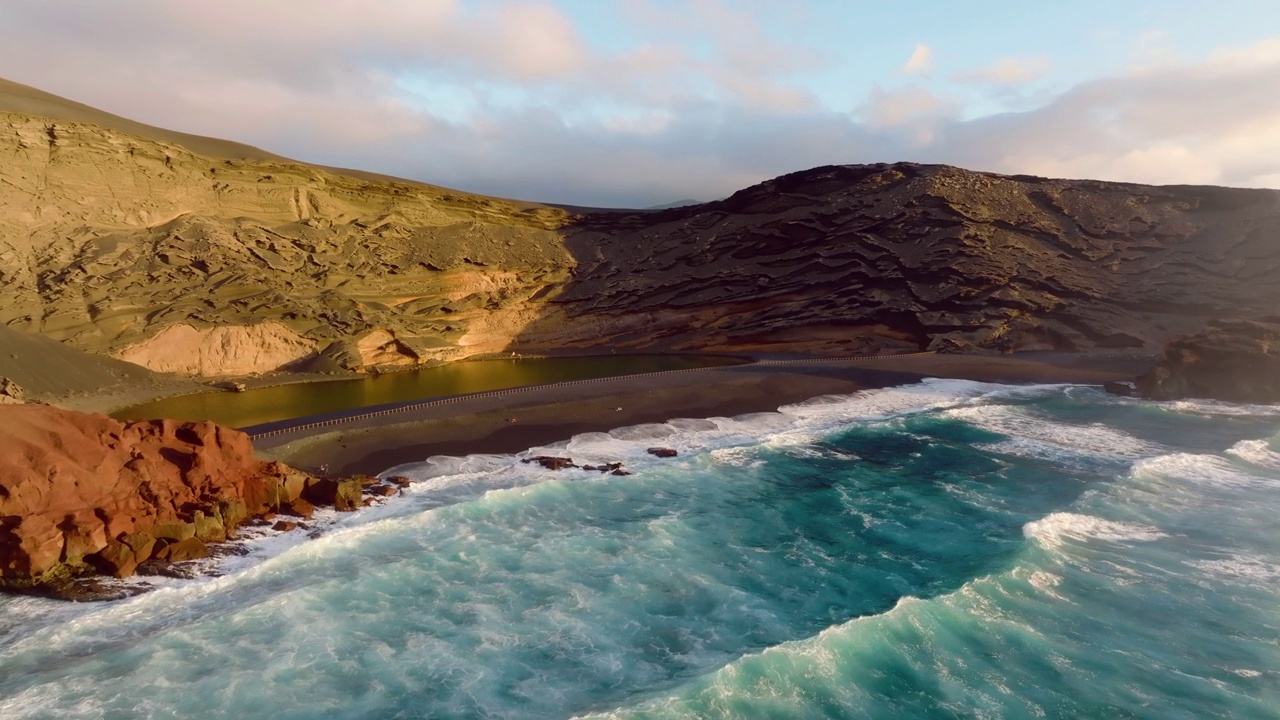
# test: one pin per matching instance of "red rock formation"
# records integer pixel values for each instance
(83, 494)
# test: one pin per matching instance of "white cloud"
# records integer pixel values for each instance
(920, 62)
(911, 113)
(1216, 121)
(1006, 71)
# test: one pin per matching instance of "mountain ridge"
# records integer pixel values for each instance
(146, 250)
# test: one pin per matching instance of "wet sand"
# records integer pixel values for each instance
(550, 413)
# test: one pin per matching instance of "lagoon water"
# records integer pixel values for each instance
(281, 402)
(945, 550)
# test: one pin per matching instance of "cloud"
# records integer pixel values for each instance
(1006, 71)
(920, 62)
(912, 113)
(512, 99)
(1214, 121)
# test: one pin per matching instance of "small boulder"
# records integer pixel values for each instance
(662, 452)
(341, 494)
(620, 472)
(189, 549)
(551, 463)
(11, 392)
(173, 531)
(209, 528)
(121, 558)
(400, 481)
(299, 508)
(382, 490)
(1116, 387)
(284, 525)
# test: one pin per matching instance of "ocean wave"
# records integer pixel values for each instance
(1221, 408)
(1055, 530)
(1204, 470)
(1037, 437)
(887, 402)
(1256, 452)
(832, 673)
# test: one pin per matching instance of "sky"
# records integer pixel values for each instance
(644, 102)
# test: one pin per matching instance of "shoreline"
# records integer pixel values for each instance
(545, 414)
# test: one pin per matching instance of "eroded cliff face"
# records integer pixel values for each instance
(884, 258)
(147, 251)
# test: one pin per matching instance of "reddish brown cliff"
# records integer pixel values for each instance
(83, 494)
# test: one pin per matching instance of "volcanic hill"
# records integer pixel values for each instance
(209, 258)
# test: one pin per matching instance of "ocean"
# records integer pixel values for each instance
(950, 549)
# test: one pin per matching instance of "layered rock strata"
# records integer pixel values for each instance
(904, 257)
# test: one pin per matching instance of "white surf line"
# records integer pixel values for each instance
(525, 388)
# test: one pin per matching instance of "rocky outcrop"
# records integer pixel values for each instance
(1233, 360)
(375, 349)
(224, 350)
(83, 494)
(11, 393)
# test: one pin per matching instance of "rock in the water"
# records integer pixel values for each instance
(299, 508)
(382, 490)
(284, 525)
(551, 463)
(1233, 360)
(342, 494)
(1116, 387)
(189, 549)
(400, 481)
(662, 452)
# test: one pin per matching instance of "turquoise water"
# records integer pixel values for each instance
(948, 550)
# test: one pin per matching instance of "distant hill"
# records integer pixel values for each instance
(197, 255)
(676, 204)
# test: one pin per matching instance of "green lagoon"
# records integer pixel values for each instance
(281, 402)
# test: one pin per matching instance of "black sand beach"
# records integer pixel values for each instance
(548, 413)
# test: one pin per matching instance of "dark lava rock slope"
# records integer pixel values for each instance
(1234, 360)
(884, 258)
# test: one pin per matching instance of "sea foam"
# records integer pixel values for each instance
(1057, 529)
